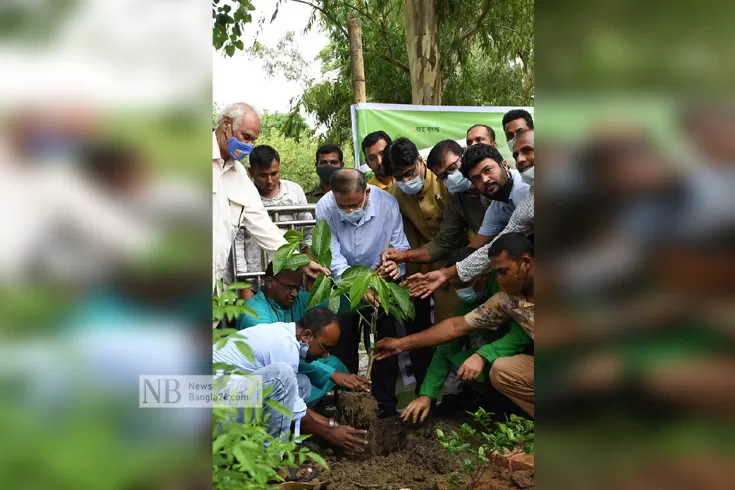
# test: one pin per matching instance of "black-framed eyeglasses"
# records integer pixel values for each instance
(410, 175)
(290, 289)
(453, 167)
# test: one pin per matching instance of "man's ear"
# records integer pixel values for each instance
(306, 335)
(494, 144)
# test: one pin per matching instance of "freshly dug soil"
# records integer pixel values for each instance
(356, 409)
(400, 456)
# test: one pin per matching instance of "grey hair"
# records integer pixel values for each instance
(236, 111)
(348, 180)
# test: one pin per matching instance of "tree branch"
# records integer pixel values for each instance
(470, 32)
(389, 57)
(391, 60)
(327, 15)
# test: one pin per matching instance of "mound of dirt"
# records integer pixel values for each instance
(356, 409)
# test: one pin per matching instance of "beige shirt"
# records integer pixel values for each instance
(498, 309)
(236, 201)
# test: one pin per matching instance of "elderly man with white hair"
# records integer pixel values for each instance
(235, 199)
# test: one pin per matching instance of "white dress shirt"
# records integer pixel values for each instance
(236, 201)
(270, 342)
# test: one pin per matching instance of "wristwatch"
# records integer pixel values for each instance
(331, 423)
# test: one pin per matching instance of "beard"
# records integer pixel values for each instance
(502, 193)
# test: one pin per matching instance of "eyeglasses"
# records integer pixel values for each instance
(453, 167)
(327, 349)
(290, 289)
(410, 175)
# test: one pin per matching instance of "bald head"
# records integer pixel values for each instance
(348, 181)
(239, 121)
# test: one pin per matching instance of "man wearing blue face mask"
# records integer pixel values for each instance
(286, 345)
(463, 214)
(236, 201)
(363, 220)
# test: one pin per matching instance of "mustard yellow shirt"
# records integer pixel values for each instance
(377, 183)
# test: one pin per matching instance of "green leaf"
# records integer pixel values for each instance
(381, 286)
(239, 454)
(334, 303)
(355, 271)
(319, 460)
(283, 253)
(296, 261)
(321, 238)
(239, 45)
(219, 443)
(403, 299)
(358, 289)
(246, 310)
(278, 407)
(230, 50)
(292, 236)
(246, 351)
(320, 291)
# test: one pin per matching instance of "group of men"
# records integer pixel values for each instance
(456, 228)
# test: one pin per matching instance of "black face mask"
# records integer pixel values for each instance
(325, 173)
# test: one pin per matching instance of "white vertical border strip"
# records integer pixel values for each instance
(353, 115)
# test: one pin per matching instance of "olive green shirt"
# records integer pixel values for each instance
(462, 219)
(313, 196)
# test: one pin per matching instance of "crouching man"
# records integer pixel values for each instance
(512, 262)
(310, 338)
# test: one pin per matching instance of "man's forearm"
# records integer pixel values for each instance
(441, 333)
(313, 423)
(420, 255)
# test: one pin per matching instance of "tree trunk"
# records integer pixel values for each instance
(422, 45)
(526, 87)
(358, 68)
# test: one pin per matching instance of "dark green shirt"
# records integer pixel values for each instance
(313, 196)
(463, 213)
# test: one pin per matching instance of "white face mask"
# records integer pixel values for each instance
(413, 186)
(511, 143)
(527, 176)
(456, 182)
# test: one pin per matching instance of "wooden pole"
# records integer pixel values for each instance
(358, 69)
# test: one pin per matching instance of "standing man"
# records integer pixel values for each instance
(481, 134)
(463, 214)
(265, 170)
(363, 220)
(372, 147)
(521, 221)
(329, 159)
(422, 199)
(514, 121)
(236, 201)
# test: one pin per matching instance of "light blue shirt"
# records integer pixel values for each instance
(362, 244)
(270, 342)
(498, 213)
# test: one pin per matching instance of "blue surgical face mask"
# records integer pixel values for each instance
(238, 149)
(456, 182)
(303, 349)
(413, 186)
(356, 215)
(468, 295)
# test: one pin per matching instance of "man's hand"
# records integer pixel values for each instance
(351, 381)
(397, 256)
(387, 347)
(345, 437)
(471, 369)
(371, 297)
(312, 269)
(417, 410)
(388, 270)
(424, 284)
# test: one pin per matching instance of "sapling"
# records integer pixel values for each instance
(355, 282)
(515, 435)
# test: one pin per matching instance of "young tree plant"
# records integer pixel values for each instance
(514, 436)
(354, 284)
